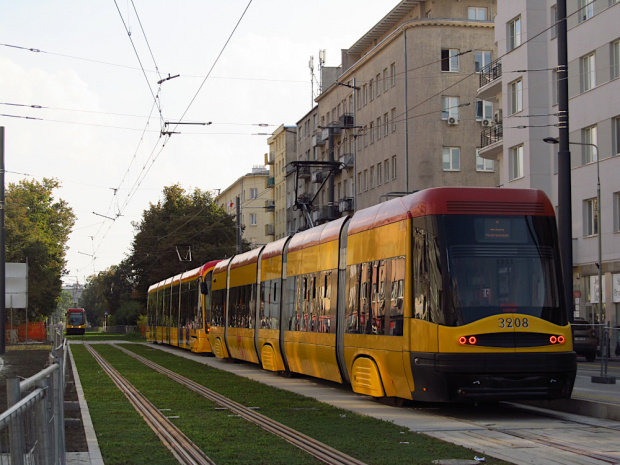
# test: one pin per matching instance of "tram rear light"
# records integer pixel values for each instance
(462, 340)
(561, 339)
(472, 340)
(553, 340)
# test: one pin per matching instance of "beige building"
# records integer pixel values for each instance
(524, 84)
(282, 150)
(403, 113)
(255, 199)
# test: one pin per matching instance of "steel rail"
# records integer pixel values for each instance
(184, 450)
(319, 450)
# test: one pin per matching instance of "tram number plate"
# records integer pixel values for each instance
(507, 323)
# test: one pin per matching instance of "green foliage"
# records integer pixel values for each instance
(37, 228)
(179, 218)
(127, 313)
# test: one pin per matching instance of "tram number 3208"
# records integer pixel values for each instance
(505, 323)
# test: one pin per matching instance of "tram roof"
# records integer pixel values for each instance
(318, 235)
(273, 249)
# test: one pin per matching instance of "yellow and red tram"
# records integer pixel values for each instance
(448, 294)
(75, 321)
(178, 309)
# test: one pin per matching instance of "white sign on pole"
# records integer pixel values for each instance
(16, 282)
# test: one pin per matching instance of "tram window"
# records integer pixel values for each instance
(352, 296)
(218, 307)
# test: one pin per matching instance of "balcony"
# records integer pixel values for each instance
(304, 172)
(492, 141)
(270, 230)
(345, 205)
(347, 160)
(318, 138)
(489, 80)
(346, 120)
(270, 205)
(271, 181)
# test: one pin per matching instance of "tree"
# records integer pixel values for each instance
(179, 218)
(94, 298)
(37, 228)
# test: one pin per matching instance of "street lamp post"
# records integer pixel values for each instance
(603, 378)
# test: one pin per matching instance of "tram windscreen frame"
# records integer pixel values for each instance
(501, 264)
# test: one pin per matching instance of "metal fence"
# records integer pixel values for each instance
(32, 428)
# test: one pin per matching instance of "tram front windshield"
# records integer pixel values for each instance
(500, 265)
(76, 319)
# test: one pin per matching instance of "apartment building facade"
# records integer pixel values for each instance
(403, 114)
(254, 197)
(524, 85)
(282, 150)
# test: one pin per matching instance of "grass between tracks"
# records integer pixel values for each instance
(125, 439)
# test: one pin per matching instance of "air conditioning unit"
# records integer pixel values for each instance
(452, 121)
(486, 122)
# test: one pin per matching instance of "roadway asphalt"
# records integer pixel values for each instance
(594, 399)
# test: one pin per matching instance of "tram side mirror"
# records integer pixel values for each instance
(203, 288)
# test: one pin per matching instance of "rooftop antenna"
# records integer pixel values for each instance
(321, 63)
(311, 66)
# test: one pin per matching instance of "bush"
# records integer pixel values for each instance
(127, 314)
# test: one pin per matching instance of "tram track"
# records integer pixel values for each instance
(184, 450)
(317, 449)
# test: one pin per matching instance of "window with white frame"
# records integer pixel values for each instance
(393, 73)
(385, 80)
(253, 193)
(590, 140)
(365, 180)
(484, 165)
(515, 159)
(516, 96)
(484, 110)
(394, 171)
(590, 217)
(252, 219)
(365, 93)
(449, 107)
(371, 131)
(379, 180)
(378, 128)
(378, 84)
(586, 9)
(615, 59)
(482, 58)
(372, 177)
(359, 182)
(450, 60)
(587, 71)
(386, 124)
(477, 13)
(513, 29)
(451, 158)
(386, 170)
(393, 112)
(554, 20)
(371, 89)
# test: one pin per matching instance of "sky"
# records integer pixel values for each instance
(80, 98)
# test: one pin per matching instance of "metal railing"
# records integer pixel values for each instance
(490, 73)
(491, 135)
(32, 428)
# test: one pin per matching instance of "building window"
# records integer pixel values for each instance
(616, 211)
(371, 89)
(516, 96)
(394, 167)
(616, 135)
(253, 193)
(516, 162)
(378, 84)
(393, 119)
(359, 182)
(589, 136)
(484, 110)
(477, 14)
(482, 58)
(514, 33)
(393, 73)
(554, 20)
(372, 177)
(590, 218)
(586, 10)
(449, 107)
(379, 180)
(365, 93)
(451, 159)
(365, 180)
(615, 59)
(386, 169)
(450, 60)
(386, 124)
(378, 128)
(482, 164)
(371, 131)
(252, 219)
(587, 70)
(555, 87)
(386, 82)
